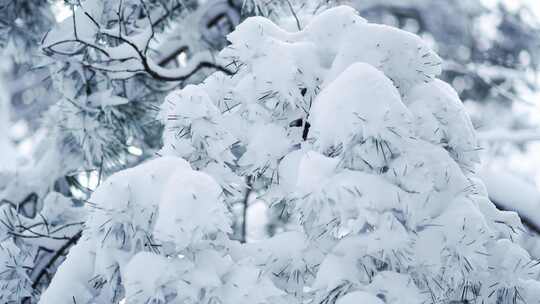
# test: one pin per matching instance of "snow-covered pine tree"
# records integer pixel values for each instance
(345, 124)
(90, 110)
(157, 233)
(488, 86)
(375, 157)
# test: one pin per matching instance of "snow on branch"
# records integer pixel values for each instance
(519, 136)
(511, 193)
(115, 50)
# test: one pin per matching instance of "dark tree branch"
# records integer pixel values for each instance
(245, 205)
(143, 59)
(60, 252)
(173, 55)
(526, 221)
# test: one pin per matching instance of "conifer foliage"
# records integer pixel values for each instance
(345, 124)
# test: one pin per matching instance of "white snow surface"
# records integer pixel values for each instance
(524, 199)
